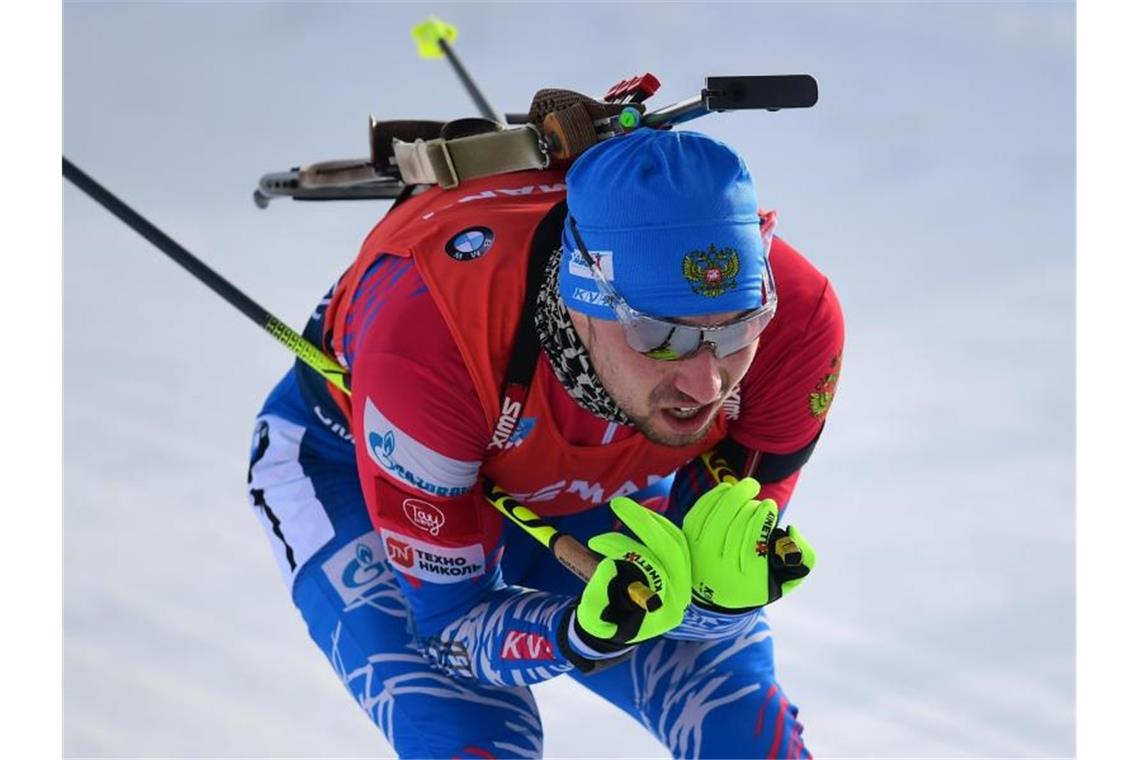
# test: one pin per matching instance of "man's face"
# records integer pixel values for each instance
(671, 403)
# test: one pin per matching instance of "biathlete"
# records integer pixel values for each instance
(580, 339)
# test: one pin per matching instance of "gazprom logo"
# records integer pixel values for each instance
(364, 568)
(408, 460)
(382, 447)
(357, 570)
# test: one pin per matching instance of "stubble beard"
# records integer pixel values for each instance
(645, 423)
(672, 440)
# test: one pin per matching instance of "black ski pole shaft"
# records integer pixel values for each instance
(469, 83)
(305, 350)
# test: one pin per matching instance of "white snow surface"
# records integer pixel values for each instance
(933, 183)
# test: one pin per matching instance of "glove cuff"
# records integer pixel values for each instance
(585, 651)
(710, 607)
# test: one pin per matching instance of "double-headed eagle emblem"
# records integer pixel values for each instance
(711, 272)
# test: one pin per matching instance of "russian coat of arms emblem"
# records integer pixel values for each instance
(711, 272)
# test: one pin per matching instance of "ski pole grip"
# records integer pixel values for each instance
(583, 563)
(574, 556)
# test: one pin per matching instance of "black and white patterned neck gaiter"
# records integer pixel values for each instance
(567, 354)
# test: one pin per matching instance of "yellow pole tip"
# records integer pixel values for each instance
(428, 34)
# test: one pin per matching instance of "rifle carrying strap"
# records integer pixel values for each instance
(447, 162)
(560, 124)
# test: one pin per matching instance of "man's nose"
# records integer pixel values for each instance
(699, 377)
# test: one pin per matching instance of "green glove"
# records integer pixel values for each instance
(741, 560)
(608, 618)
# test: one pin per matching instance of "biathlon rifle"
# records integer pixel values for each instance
(560, 125)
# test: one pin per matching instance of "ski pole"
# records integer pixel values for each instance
(434, 38)
(305, 350)
(567, 549)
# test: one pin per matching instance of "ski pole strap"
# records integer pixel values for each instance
(446, 162)
(526, 348)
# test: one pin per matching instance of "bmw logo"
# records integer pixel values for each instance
(470, 244)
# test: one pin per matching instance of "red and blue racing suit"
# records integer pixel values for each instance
(435, 613)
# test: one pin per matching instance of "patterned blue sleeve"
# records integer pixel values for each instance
(700, 624)
(509, 638)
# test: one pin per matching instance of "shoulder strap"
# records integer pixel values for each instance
(524, 354)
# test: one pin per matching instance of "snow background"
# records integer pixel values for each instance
(933, 184)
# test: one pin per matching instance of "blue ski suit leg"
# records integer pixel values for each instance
(305, 491)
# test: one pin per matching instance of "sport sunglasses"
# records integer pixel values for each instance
(669, 340)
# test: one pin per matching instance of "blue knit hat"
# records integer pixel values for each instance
(671, 217)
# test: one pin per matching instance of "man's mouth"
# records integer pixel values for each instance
(684, 412)
(689, 419)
